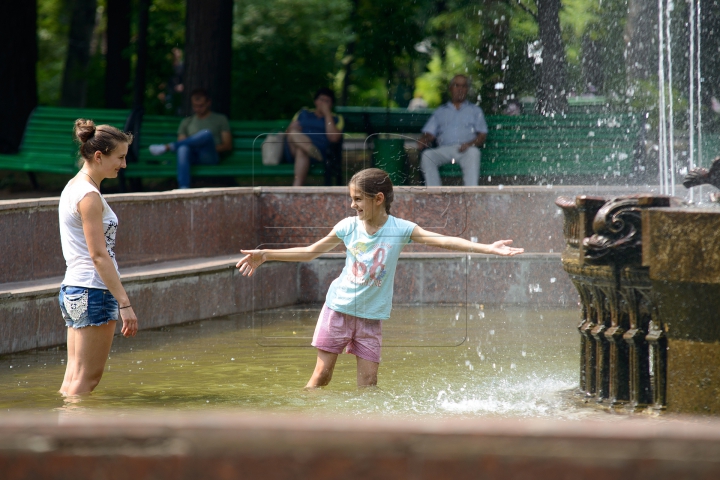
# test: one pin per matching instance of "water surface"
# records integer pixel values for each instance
(448, 360)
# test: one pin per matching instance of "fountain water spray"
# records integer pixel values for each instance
(666, 132)
(695, 128)
(665, 119)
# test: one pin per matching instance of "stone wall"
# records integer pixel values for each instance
(177, 250)
(165, 226)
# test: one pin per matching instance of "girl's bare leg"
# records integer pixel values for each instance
(323, 369)
(91, 348)
(366, 373)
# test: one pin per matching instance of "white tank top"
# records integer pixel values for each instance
(80, 268)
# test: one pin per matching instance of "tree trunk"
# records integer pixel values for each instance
(551, 93)
(592, 66)
(18, 59)
(349, 56)
(117, 71)
(208, 51)
(82, 24)
(641, 37)
(141, 51)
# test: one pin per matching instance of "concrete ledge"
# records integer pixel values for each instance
(158, 271)
(162, 294)
(182, 291)
(192, 445)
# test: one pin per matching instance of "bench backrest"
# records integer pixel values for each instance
(49, 130)
(598, 143)
(247, 135)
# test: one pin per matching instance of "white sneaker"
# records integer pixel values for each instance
(158, 149)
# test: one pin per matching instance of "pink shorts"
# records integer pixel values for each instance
(336, 331)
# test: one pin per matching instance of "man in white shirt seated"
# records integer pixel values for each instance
(459, 128)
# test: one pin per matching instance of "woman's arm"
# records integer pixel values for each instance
(500, 247)
(331, 131)
(90, 208)
(333, 134)
(254, 258)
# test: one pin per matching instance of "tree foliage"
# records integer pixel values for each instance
(385, 52)
(284, 50)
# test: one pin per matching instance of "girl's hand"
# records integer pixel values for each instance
(501, 248)
(130, 322)
(250, 262)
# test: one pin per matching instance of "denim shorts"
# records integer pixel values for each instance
(83, 306)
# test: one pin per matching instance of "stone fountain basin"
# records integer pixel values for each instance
(681, 249)
(648, 273)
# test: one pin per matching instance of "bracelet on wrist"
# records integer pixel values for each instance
(126, 306)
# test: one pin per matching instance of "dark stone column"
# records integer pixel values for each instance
(618, 388)
(658, 349)
(602, 347)
(590, 345)
(635, 338)
(584, 320)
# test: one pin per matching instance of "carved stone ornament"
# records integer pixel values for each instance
(617, 239)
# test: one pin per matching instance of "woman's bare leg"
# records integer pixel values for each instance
(301, 150)
(323, 369)
(70, 367)
(366, 373)
(91, 348)
(302, 167)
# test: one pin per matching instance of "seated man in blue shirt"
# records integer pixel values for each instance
(459, 128)
(312, 133)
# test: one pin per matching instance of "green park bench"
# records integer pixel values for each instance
(48, 144)
(594, 144)
(590, 143)
(529, 145)
(245, 160)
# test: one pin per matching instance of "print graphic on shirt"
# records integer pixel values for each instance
(110, 232)
(369, 260)
(377, 269)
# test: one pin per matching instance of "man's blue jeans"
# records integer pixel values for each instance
(196, 149)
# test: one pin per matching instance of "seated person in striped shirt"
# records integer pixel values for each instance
(311, 135)
(459, 128)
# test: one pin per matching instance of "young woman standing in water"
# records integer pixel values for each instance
(92, 298)
(361, 297)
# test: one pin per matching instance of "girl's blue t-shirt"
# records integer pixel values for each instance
(365, 287)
